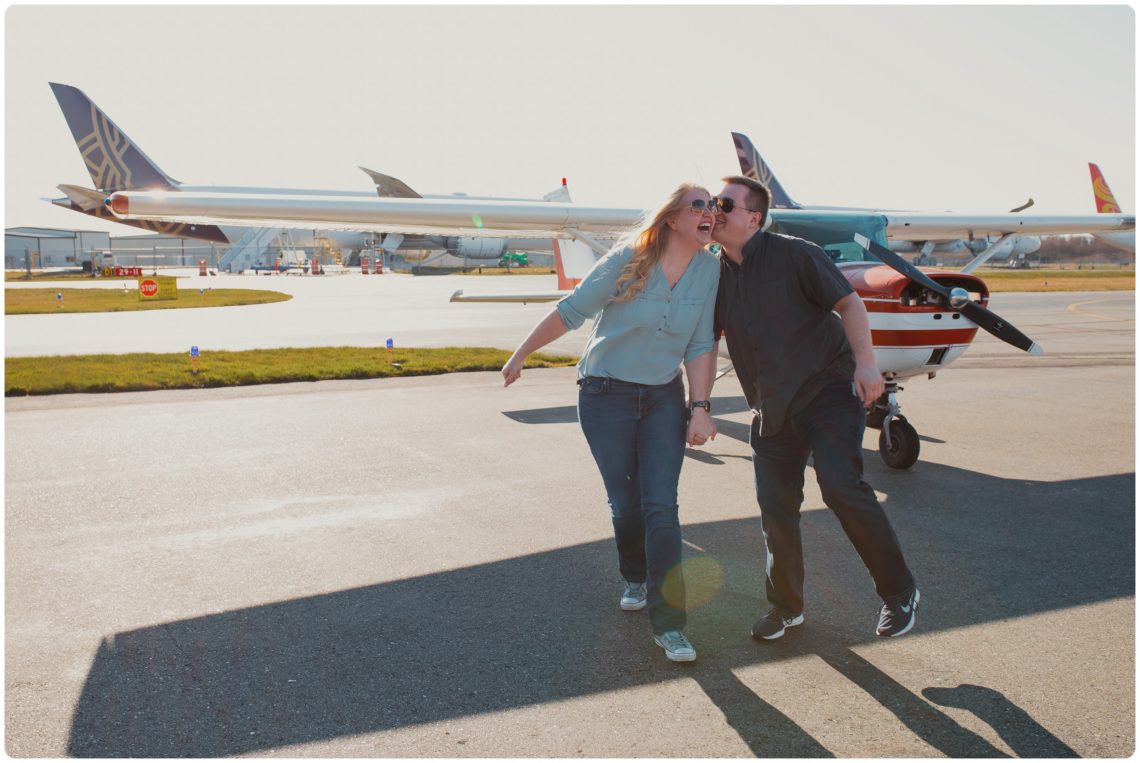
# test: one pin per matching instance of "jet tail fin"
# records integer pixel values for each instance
(1105, 204)
(752, 165)
(113, 160)
(1102, 194)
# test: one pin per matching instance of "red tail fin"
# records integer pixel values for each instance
(1105, 201)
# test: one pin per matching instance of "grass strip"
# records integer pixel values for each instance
(60, 374)
(526, 270)
(44, 301)
(1058, 280)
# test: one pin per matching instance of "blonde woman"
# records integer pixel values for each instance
(653, 298)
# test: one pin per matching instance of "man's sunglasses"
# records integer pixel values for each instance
(727, 204)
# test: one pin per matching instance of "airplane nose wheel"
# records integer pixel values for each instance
(898, 444)
(898, 440)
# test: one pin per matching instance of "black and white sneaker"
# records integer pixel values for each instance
(897, 615)
(772, 625)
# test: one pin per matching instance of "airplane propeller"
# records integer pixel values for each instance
(957, 297)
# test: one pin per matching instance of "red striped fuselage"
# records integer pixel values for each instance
(912, 329)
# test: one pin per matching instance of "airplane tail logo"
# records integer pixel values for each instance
(113, 160)
(1105, 201)
(752, 165)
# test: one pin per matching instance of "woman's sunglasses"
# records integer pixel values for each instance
(700, 205)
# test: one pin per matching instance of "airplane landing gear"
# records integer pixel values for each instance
(898, 444)
(898, 440)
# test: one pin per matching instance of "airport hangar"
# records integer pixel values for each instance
(39, 248)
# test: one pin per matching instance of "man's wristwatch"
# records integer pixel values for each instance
(700, 404)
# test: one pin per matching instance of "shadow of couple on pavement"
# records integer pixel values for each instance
(545, 627)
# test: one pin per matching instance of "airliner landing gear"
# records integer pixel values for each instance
(898, 440)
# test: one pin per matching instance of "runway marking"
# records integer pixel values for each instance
(693, 545)
(1076, 307)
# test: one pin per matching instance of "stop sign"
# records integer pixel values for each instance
(148, 288)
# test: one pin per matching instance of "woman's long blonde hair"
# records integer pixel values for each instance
(648, 243)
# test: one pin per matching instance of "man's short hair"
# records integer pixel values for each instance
(758, 198)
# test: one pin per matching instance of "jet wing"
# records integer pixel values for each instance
(459, 216)
(483, 217)
(933, 227)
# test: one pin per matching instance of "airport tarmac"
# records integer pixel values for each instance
(424, 567)
(414, 311)
(326, 311)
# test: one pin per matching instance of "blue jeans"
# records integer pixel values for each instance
(830, 427)
(637, 435)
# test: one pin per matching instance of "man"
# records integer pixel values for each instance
(807, 375)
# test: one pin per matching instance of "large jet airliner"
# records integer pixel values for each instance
(116, 163)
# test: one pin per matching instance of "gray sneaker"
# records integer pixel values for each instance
(677, 647)
(633, 597)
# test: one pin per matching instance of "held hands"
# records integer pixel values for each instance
(868, 383)
(701, 428)
(513, 370)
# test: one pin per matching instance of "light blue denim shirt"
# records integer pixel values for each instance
(646, 339)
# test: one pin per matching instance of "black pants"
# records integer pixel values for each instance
(831, 428)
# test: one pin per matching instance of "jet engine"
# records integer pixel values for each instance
(476, 247)
(1015, 246)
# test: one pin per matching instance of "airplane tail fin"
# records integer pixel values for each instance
(565, 253)
(1105, 204)
(1105, 201)
(752, 165)
(572, 261)
(114, 161)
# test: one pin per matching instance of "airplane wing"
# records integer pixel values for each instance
(458, 216)
(481, 217)
(927, 226)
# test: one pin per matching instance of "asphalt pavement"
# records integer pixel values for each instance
(424, 567)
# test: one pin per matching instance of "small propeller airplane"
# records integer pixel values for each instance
(921, 320)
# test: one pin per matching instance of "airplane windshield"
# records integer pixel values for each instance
(834, 231)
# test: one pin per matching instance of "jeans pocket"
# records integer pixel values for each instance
(592, 385)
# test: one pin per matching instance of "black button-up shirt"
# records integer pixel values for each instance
(775, 312)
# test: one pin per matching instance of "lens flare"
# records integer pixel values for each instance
(477, 220)
(693, 583)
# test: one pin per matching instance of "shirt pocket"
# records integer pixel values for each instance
(650, 311)
(685, 316)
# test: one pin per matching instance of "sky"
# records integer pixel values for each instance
(932, 108)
